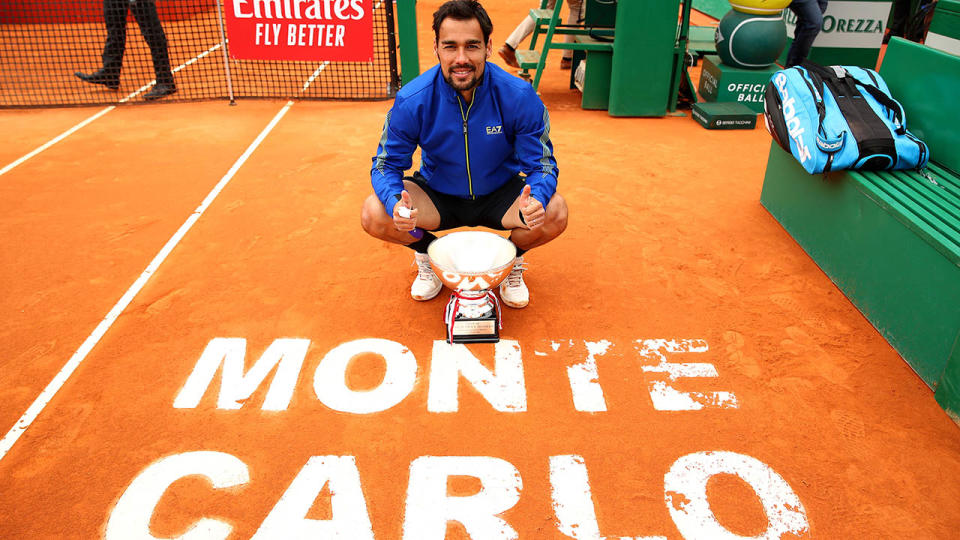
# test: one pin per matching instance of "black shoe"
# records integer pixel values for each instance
(100, 77)
(509, 55)
(159, 90)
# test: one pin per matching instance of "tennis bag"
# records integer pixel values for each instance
(839, 117)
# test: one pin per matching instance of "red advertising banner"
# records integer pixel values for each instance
(310, 30)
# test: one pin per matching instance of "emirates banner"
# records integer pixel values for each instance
(309, 30)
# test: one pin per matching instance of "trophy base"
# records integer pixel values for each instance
(473, 327)
(481, 330)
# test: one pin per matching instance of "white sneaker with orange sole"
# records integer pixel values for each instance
(427, 285)
(513, 291)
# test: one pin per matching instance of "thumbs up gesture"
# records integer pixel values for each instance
(404, 214)
(530, 209)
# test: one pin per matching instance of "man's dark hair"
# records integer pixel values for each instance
(463, 10)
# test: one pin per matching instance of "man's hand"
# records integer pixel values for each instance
(531, 209)
(404, 214)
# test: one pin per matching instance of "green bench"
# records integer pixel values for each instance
(891, 240)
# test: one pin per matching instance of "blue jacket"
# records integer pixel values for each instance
(467, 149)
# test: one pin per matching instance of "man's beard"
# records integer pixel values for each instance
(462, 87)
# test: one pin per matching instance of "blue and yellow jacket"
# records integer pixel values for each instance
(467, 149)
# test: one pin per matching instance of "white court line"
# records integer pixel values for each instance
(61, 378)
(314, 76)
(176, 69)
(70, 131)
(56, 139)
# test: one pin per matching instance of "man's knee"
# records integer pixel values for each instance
(372, 217)
(557, 213)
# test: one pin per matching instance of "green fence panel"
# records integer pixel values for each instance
(642, 64)
(409, 51)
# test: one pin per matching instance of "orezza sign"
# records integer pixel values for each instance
(851, 25)
(307, 30)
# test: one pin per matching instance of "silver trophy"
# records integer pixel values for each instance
(472, 263)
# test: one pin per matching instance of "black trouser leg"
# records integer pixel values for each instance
(809, 20)
(115, 18)
(898, 19)
(145, 11)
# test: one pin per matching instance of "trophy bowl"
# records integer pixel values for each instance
(472, 263)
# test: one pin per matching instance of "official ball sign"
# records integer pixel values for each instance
(308, 30)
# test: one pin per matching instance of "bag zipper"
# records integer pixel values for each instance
(923, 152)
(466, 142)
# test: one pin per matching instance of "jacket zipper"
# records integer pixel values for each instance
(466, 143)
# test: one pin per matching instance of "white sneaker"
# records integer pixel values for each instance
(427, 285)
(513, 291)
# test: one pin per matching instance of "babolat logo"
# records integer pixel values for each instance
(828, 146)
(494, 130)
(790, 117)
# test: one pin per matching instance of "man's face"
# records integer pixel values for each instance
(462, 53)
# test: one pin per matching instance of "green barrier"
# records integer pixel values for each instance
(643, 57)
(948, 392)
(890, 240)
(591, 75)
(944, 31)
(851, 34)
(714, 8)
(407, 27)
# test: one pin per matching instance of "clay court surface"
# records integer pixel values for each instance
(674, 328)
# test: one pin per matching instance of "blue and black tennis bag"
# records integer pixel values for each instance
(839, 117)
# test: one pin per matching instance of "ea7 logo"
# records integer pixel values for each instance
(494, 130)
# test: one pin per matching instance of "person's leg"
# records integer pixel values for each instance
(115, 19)
(554, 223)
(513, 291)
(574, 12)
(524, 29)
(809, 20)
(520, 33)
(145, 12)
(898, 19)
(378, 224)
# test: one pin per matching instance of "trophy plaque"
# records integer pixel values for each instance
(472, 263)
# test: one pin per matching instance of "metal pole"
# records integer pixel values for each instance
(392, 48)
(226, 59)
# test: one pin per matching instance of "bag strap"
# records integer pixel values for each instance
(826, 143)
(888, 102)
(838, 75)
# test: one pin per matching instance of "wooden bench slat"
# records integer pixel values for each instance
(930, 200)
(910, 215)
(945, 177)
(922, 208)
(947, 185)
(936, 194)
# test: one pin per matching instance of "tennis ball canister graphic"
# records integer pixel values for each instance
(759, 7)
(753, 34)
